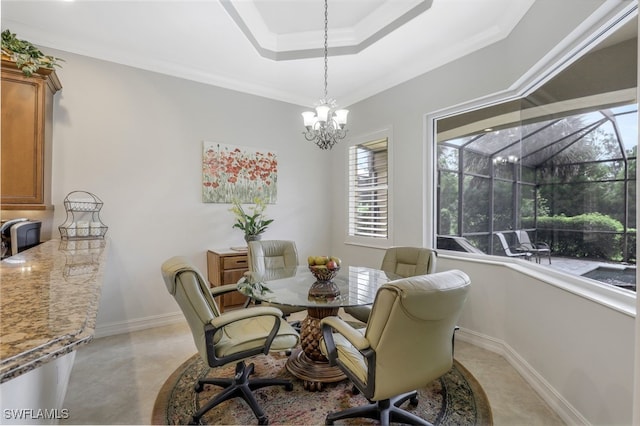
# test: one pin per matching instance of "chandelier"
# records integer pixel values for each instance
(511, 159)
(325, 126)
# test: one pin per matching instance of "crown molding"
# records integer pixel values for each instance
(302, 45)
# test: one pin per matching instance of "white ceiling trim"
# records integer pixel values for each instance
(197, 40)
(309, 44)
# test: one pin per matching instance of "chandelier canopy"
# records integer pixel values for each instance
(325, 126)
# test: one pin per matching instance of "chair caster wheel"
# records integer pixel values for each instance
(328, 422)
(264, 420)
(288, 387)
(413, 401)
(355, 390)
(194, 421)
(198, 387)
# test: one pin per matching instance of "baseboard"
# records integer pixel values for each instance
(138, 324)
(548, 393)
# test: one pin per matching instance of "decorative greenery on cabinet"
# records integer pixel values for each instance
(26, 56)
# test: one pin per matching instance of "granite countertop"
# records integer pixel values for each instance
(48, 302)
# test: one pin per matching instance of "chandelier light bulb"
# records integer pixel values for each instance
(322, 112)
(341, 117)
(309, 118)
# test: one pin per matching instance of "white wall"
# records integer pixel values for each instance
(134, 138)
(575, 348)
(576, 352)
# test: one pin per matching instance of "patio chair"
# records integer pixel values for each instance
(537, 249)
(507, 249)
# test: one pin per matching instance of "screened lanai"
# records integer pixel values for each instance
(557, 165)
(569, 181)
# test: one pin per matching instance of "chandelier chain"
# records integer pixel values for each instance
(326, 44)
(325, 127)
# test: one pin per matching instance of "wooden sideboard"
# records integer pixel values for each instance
(27, 121)
(226, 266)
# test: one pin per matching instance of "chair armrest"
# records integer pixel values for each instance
(242, 314)
(221, 321)
(354, 336)
(223, 289)
(521, 250)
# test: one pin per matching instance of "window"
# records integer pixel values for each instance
(558, 165)
(569, 182)
(369, 192)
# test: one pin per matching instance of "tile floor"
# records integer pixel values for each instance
(115, 379)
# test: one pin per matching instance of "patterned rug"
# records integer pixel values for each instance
(454, 399)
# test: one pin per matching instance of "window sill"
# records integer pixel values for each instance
(382, 245)
(623, 301)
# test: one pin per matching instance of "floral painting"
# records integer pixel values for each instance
(239, 173)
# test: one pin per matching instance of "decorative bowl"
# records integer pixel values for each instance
(322, 273)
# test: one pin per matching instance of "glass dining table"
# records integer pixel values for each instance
(352, 286)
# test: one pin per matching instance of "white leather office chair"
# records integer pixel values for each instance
(227, 337)
(271, 259)
(400, 262)
(408, 343)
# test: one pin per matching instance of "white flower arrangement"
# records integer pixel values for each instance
(250, 286)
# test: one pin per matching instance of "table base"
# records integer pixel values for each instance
(314, 374)
(308, 363)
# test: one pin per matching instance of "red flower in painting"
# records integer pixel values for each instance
(238, 171)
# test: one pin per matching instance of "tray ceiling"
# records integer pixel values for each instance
(271, 48)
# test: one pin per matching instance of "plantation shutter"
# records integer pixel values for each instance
(368, 189)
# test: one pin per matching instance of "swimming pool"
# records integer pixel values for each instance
(625, 278)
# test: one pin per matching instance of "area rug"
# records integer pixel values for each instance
(454, 399)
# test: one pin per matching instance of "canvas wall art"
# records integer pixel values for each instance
(231, 172)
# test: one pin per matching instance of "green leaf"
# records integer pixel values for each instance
(26, 56)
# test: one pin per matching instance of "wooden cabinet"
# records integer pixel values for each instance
(227, 266)
(27, 121)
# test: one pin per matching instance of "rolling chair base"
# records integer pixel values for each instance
(386, 411)
(239, 386)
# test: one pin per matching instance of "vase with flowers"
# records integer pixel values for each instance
(251, 220)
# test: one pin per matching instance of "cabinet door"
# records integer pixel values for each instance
(232, 276)
(22, 141)
(236, 298)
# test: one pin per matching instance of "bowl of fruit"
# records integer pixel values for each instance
(324, 268)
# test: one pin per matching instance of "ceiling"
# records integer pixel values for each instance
(271, 48)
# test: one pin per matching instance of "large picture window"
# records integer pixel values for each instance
(549, 178)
